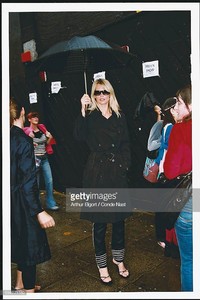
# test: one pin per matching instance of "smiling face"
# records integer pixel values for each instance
(181, 108)
(34, 120)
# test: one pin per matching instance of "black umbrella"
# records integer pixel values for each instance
(82, 54)
(145, 105)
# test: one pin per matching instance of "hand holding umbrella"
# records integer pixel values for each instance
(85, 101)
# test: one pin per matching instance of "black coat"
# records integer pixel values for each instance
(109, 159)
(29, 244)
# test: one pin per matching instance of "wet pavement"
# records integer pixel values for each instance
(72, 268)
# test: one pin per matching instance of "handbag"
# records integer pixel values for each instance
(179, 192)
(150, 171)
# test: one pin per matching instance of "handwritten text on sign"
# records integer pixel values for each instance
(150, 68)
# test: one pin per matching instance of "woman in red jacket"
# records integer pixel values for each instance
(179, 161)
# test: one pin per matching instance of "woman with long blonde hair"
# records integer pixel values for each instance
(102, 125)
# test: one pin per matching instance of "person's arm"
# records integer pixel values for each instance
(30, 187)
(27, 171)
(173, 158)
(45, 220)
(157, 109)
(49, 137)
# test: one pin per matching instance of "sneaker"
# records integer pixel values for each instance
(55, 207)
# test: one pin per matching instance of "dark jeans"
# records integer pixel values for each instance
(160, 226)
(99, 231)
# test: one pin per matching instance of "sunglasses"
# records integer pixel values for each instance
(173, 105)
(98, 93)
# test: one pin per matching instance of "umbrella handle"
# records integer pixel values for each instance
(85, 81)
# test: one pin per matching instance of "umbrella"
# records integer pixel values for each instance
(82, 54)
(145, 105)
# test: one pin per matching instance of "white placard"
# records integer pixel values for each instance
(150, 69)
(100, 75)
(33, 98)
(31, 46)
(55, 87)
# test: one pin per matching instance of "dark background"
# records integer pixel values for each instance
(157, 35)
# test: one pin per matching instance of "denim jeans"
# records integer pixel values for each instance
(48, 179)
(183, 227)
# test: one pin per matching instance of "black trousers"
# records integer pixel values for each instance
(160, 226)
(118, 242)
(28, 276)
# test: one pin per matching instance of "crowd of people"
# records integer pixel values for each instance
(103, 126)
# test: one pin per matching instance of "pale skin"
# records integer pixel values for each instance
(181, 109)
(44, 219)
(103, 104)
(157, 109)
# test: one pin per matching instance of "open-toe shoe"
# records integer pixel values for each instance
(123, 272)
(104, 277)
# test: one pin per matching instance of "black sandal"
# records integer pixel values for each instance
(105, 282)
(121, 273)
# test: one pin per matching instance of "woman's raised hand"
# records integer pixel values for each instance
(85, 101)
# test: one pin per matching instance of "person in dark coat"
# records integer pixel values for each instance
(102, 125)
(29, 243)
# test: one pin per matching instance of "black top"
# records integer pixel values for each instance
(29, 245)
(110, 156)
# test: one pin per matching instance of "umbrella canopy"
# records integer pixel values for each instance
(145, 105)
(82, 54)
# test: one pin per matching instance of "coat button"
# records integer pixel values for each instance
(113, 145)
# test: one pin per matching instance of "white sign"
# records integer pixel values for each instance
(150, 69)
(100, 75)
(55, 87)
(31, 46)
(33, 98)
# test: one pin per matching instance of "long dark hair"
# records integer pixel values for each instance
(166, 107)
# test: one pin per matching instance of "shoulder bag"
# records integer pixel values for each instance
(179, 190)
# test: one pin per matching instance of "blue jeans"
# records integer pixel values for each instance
(183, 228)
(48, 179)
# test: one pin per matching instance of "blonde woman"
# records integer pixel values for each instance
(102, 125)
